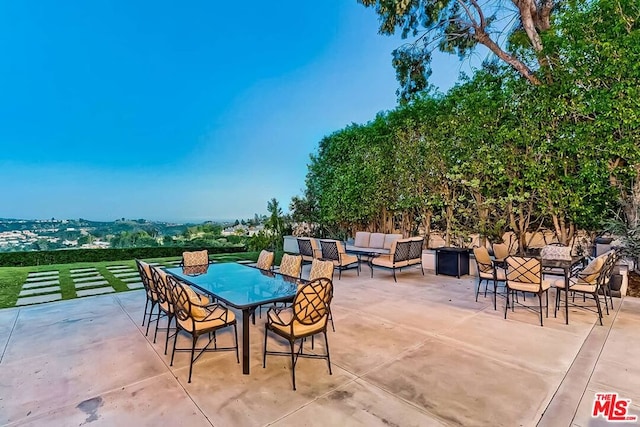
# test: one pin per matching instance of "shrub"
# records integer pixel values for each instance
(21, 259)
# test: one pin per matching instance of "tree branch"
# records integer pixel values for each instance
(483, 38)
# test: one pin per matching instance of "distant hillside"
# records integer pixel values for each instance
(51, 234)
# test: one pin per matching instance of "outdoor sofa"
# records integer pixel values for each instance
(402, 253)
(377, 243)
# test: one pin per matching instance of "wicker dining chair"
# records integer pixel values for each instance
(265, 260)
(593, 280)
(197, 319)
(144, 269)
(489, 272)
(307, 317)
(308, 249)
(165, 303)
(500, 251)
(322, 269)
(291, 265)
(333, 250)
(191, 258)
(524, 274)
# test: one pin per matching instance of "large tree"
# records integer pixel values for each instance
(458, 26)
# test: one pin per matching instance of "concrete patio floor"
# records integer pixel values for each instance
(420, 352)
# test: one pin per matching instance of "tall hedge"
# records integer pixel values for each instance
(21, 259)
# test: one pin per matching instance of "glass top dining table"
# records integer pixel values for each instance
(241, 287)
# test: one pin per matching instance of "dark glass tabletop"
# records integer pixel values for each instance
(238, 285)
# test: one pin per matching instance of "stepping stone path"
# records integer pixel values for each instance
(92, 284)
(44, 286)
(82, 270)
(90, 278)
(40, 284)
(43, 273)
(85, 273)
(40, 287)
(128, 275)
(118, 269)
(96, 276)
(96, 291)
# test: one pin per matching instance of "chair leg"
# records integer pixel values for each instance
(506, 305)
(166, 341)
(146, 304)
(597, 298)
(547, 300)
(157, 326)
(495, 294)
(235, 332)
(478, 288)
(540, 300)
(264, 354)
(175, 342)
(153, 304)
(394, 276)
(193, 349)
(293, 365)
(326, 344)
(331, 318)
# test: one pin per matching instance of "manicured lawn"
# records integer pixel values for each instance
(12, 278)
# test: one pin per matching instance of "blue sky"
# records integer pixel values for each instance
(184, 112)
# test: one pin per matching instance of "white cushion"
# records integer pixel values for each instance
(529, 287)
(376, 240)
(362, 239)
(389, 238)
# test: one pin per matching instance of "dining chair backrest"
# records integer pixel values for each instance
(312, 301)
(483, 260)
(144, 270)
(599, 271)
(190, 258)
(609, 265)
(524, 270)
(590, 274)
(265, 260)
(290, 265)
(165, 297)
(501, 251)
(321, 269)
(556, 252)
